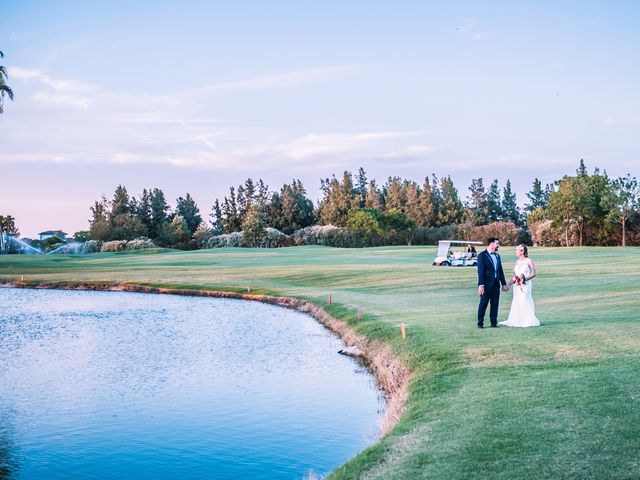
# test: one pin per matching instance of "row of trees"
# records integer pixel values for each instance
(434, 203)
(360, 204)
(251, 203)
(581, 209)
(125, 218)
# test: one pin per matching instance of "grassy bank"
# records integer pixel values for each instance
(559, 401)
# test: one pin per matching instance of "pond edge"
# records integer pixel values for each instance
(391, 374)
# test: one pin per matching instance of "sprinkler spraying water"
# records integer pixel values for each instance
(7, 240)
(73, 248)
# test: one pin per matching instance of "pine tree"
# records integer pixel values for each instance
(216, 218)
(159, 213)
(246, 196)
(373, 198)
(124, 224)
(143, 209)
(262, 195)
(394, 198)
(290, 209)
(361, 187)
(538, 197)
(99, 223)
(189, 211)
(338, 200)
(121, 202)
(412, 202)
(510, 210)
(494, 205)
(477, 203)
(436, 202)
(426, 205)
(452, 210)
(231, 217)
(582, 169)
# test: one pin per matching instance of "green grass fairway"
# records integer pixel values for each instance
(558, 401)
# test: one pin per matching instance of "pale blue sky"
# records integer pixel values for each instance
(194, 96)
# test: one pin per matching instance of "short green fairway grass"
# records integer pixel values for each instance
(558, 401)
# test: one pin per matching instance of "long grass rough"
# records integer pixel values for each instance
(559, 401)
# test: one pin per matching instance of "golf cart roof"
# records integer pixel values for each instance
(443, 245)
(460, 242)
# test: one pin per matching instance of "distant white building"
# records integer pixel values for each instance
(53, 233)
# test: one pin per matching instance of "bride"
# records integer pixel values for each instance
(522, 313)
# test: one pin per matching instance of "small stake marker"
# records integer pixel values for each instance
(22, 278)
(248, 289)
(403, 331)
(358, 312)
(329, 299)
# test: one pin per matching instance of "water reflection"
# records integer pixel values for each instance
(8, 462)
(121, 385)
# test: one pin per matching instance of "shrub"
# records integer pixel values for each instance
(234, 239)
(122, 245)
(364, 221)
(114, 246)
(274, 238)
(333, 236)
(271, 238)
(314, 235)
(140, 243)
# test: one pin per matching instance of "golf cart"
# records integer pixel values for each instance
(464, 255)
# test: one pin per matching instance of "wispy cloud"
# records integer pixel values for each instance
(24, 73)
(127, 128)
(278, 80)
(311, 151)
(315, 145)
(54, 91)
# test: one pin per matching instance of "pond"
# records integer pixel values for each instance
(115, 385)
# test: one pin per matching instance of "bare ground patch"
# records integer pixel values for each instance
(488, 357)
(572, 352)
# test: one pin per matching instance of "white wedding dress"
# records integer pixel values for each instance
(523, 312)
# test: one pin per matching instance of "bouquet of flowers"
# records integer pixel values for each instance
(519, 280)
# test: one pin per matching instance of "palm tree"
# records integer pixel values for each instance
(4, 88)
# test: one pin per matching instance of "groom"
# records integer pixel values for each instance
(490, 278)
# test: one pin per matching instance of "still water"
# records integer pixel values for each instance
(108, 385)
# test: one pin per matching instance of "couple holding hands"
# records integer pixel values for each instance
(491, 280)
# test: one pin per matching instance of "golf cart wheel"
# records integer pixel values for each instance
(445, 264)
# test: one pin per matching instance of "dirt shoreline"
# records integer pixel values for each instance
(391, 374)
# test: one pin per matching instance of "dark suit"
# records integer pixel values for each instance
(492, 279)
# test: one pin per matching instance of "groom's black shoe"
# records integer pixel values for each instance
(480, 326)
(494, 326)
